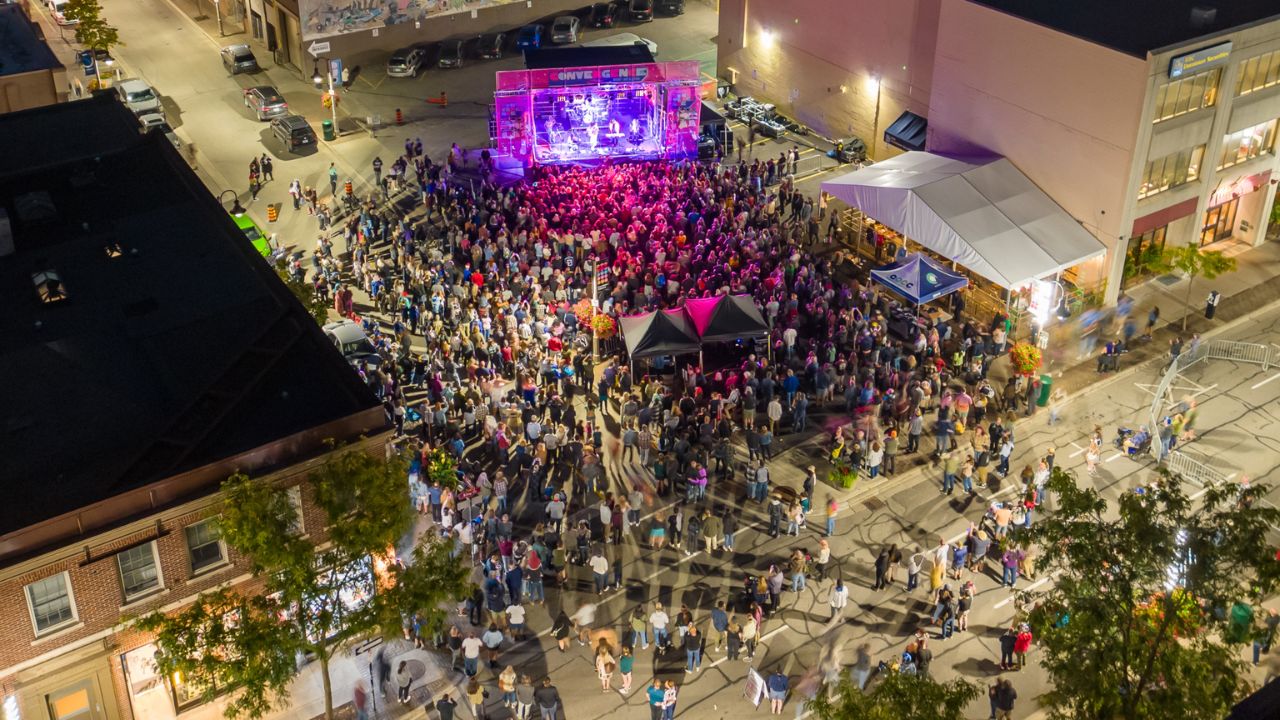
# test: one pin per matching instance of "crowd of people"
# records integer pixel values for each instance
(562, 458)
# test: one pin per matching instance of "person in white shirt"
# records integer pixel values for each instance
(839, 599)
(659, 620)
(515, 619)
(582, 619)
(600, 571)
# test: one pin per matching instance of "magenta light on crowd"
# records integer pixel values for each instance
(584, 114)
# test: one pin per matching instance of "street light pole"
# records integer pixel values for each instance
(217, 10)
(333, 97)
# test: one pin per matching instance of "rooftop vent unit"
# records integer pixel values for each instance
(1202, 16)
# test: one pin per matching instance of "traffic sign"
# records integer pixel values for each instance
(318, 48)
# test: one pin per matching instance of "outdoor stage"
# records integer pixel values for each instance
(584, 114)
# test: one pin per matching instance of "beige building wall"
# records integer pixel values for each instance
(1063, 110)
(832, 71)
(22, 91)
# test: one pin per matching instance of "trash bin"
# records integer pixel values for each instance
(1046, 386)
(327, 127)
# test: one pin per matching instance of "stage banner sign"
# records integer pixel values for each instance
(327, 18)
(753, 691)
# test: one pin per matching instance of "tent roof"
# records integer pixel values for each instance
(665, 332)
(919, 279)
(985, 215)
(726, 317)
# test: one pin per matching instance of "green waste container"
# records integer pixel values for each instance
(327, 128)
(1046, 386)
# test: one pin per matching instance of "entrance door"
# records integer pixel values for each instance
(255, 24)
(1219, 222)
(76, 702)
(285, 48)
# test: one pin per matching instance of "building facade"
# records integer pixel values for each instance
(1148, 136)
(30, 74)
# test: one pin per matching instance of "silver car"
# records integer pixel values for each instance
(565, 30)
(350, 340)
(239, 59)
(406, 62)
(265, 102)
(139, 97)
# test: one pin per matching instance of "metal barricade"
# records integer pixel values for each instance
(1183, 465)
(1241, 352)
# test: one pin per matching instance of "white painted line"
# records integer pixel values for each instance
(1204, 390)
(1197, 495)
(1264, 382)
(1077, 453)
(1114, 457)
(1028, 588)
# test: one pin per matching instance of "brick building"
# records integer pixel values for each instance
(149, 353)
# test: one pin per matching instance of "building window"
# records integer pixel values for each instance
(1188, 94)
(294, 494)
(205, 546)
(1171, 171)
(139, 571)
(1247, 144)
(51, 603)
(1258, 72)
(1144, 251)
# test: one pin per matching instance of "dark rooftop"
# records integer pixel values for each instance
(181, 350)
(587, 56)
(1137, 27)
(21, 48)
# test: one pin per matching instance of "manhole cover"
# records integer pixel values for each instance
(873, 503)
(1168, 279)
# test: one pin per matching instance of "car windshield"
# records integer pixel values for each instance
(398, 59)
(642, 4)
(141, 95)
(244, 54)
(357, 348)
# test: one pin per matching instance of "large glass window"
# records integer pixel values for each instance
(139, 571)
(1247, 144)
(1258, 72)
(205, 545)
(1143, 252)
(1171, 171)
(1187, 94)
(50, 602)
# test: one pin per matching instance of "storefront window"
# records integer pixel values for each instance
(1247, 144)
(1171, 171)
(1258, 72)
(1187, 94)
(1142, 254)
(1219, 222)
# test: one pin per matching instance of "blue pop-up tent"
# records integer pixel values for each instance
(918, 279)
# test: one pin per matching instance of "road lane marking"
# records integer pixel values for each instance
(1264, 382)
(1114, 457)
(1029, 588)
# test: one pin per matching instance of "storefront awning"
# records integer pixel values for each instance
(986, 215)
(907, 132)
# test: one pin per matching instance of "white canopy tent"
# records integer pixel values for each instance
(985, 215)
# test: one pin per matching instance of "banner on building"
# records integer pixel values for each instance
(326, 18)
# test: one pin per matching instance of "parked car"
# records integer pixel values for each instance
(294, 131)
(602, 15)
(139, 97)
(55, 9)
(529, 37)
(158, 121)
(565, 30)
(350, 340)
(640, 11)
(265, 102)
(454, 52)
(239, 59)
(406, 62)
(261, 241)
(491, 46)
(670, 7)
(623, 39)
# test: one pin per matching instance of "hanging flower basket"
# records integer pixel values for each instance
(604, 326)
(583, 311)
(442, 468)
(1188, 616)
(1026, 358)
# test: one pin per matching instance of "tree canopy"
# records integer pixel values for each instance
(896, 696)
(1143, 619)
(312, 600)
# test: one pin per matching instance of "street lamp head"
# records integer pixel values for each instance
(237, 210)
(316, 79)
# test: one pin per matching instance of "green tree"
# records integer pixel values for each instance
(896, 697)
(305, 292)
(1139, 623)
(229, 640)
(1190, 261)
(92, 30)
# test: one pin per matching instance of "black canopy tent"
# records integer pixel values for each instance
(662, 332)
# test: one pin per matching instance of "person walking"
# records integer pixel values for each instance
(492, 639)
(548, 699)
(445, 707)
(377, 171)
(861, 669)
(669, 696)
(1022, 644)
(1008, 639)
(560, 630)
(838, 599)
(507, 686)
(471, 654)
(750, 634)
(605, 665)
(882, 569)
(833, 507)
(333, 181)
(267, 167)
(914, 565)
(625, 664)
(582, 621)
(659, 620)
